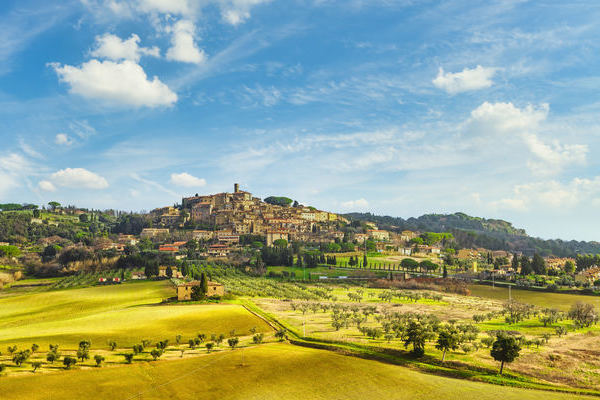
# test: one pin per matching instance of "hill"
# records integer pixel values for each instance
(272, 371)
(493, 234)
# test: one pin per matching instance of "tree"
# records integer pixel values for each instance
(113, 345)
(83, 218)
(583, 314)
(232, 342)
(51, 357)
(526, 268)
(278, 201)
(569, 267)
(281, 243)
(34, 348)
(11, 349)
(258, 338)
(20, 357)
(409, 264)
(448, 339)
(204, 284)
(505, 349)
(417, 334)
(156, 353)
(2, 368)
(83, 354)
(99, 359)
(538, 264)
(280, 334)
(54, 205)
(35, 365)
(69, 361)
(169, 272)
(209, 346)
(192, 344)
(137, 348)
(128, 357)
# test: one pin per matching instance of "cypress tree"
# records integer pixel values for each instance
(203, 284)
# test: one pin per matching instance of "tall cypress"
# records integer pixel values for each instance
(203, 284)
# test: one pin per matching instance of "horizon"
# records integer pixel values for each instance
(391, 108)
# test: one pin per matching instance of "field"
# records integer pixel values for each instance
(560, 301)
(270, 371)
(125, 313)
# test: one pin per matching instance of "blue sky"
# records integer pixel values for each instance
(394, 107)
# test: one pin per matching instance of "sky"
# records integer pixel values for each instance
(399, 108)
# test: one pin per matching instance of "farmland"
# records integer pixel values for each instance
(135, 312)
(560, 301)
(125, 313)
(272, 371)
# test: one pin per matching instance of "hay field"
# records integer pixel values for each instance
(270, 371)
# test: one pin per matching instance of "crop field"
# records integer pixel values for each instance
(561, 301)
(561, 360)
(124, 313)
(270, 371)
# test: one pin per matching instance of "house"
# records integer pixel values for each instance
(184, 290)
(138, 275)
(218, 250)
(378, 234)
(589, 275)
(360, 237)
(406, 236)
(272, 236)
(203, 235)
(162, 272)
(153, 232)
(406, 251)
(168, 248)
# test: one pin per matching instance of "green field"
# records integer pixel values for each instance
(271, 371)
(125, 313)
(561, 301)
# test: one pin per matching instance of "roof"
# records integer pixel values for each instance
(197, 283)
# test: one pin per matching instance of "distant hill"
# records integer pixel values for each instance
(493, 234)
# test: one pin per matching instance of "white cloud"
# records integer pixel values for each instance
(551, 194)
(553, 157)
(183, 47)
(114, 48)
(78, 178)
(63, 139)
(187, 180)
(47, 186)
(499, 125)
(13, 169)
(467, 80)
(359, 204)
(506, 118)
(179, 7)
(236, 12)
(123, 83)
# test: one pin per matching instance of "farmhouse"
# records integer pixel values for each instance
(184, 290)
(162, 272)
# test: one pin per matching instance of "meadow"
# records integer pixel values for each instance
(124, 313)
(560, 301)
(269, 371)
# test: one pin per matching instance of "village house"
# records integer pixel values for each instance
(378, 234)
(184, 290)
(162, 272)
(148, 233)
(589, 275)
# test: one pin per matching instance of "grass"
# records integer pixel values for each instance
(560, 301)
(273, 371)
(125, 313)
